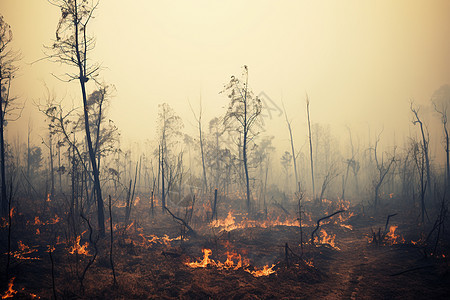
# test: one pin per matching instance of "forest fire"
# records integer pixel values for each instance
(175, 152)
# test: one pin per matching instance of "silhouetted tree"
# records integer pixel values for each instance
(243, 115)
(72, 47)
(8, 58)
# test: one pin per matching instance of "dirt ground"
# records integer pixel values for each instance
(151, 266)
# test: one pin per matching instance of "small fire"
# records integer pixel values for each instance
(229, 264)
(10, 292)
(80, 249)
(229, 223)
(266, 271)
(137, 200)
(150, 240)
(309, 263)
(48, 197)
(204, 262)
(326, 239)
(393, 238)
(24, 250)
(55, 220)
(346, 226)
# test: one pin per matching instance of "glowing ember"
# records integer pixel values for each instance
(346, 226)
(48, 197)
(10, 292)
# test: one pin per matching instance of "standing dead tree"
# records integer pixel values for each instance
(442, 111)
(72, 47)
(310, 146)
(8, 111)
(244, 110)
(425, 143)
(294, 156)
(383, 168)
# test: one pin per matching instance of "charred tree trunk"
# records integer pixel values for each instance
(310, 147)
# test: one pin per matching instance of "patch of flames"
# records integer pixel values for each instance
(23, 251)
(79, 249)
(326, 239)
(393, 238)
(234, 261)
(10, 292)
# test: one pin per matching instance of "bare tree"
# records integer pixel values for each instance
(425, 143)
(170, 126)
(8, 111)
(294, 158)
(310, 146)
(440, 103)
(383, 168)
(72, 47)
(244, 111)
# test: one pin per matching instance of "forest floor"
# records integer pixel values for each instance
(152, 262)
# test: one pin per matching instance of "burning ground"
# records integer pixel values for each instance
(352, 256)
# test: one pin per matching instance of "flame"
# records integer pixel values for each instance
(230, 264)
(393, 238)
(48, 197)
(80, 249)
(10, 292)
(24, 250)
(204, 262)
(391, 195)
(38, 232)
(55, 220)
(229, 223)
(326, 239)
(149, 241)
(346, 226)
(266, 271)
(309, 263)
(11, 211)
(137, 200)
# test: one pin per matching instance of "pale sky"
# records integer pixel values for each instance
(361, 62)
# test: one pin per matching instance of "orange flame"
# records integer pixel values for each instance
(266, 271)
(204, 262)
(48, 197)
(80, 249)
(10, 292)
(229, 264)
(393, 238)
(24, 250)
(326, 239)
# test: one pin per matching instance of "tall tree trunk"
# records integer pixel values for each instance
(310, 147)
(2, 154)
(83, 79)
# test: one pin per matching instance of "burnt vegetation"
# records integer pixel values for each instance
(204, 216)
